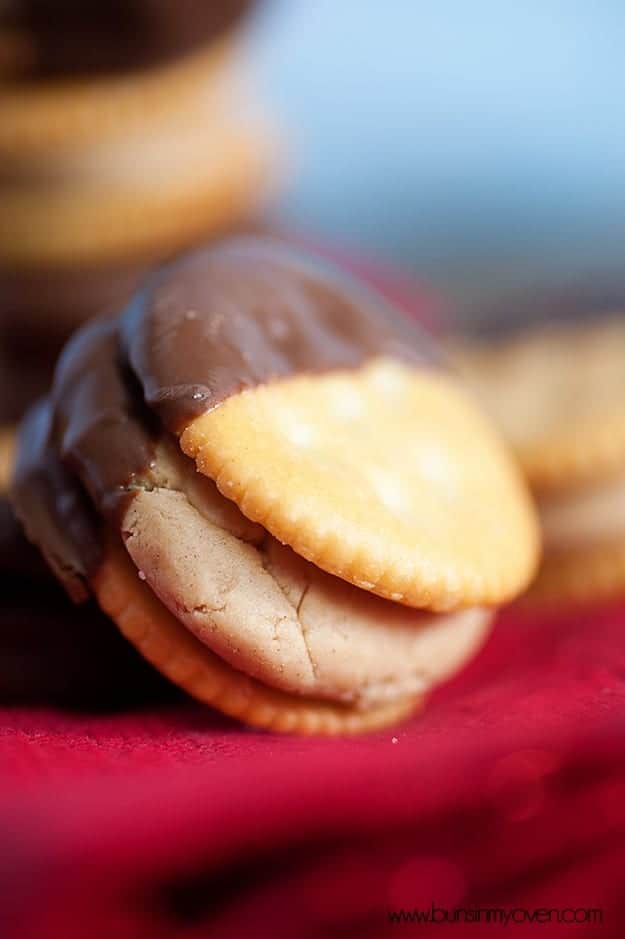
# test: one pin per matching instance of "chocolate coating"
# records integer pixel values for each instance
(52, 505)
(249, 310)
(103, 432)
(71, 37)
(79, 454)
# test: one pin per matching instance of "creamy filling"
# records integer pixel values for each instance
(274, 616)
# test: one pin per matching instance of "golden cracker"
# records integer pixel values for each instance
(583, 575)
(385, 476)
(47, 115)
(85, 224)
(558, 395)
(182, 658)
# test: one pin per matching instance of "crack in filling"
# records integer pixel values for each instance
(175, 464)
(297, 607)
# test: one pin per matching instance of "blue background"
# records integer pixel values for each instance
(482, 143)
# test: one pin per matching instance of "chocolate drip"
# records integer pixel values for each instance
(102, 429)
(250, 310)
(52, 505)
(79, 454)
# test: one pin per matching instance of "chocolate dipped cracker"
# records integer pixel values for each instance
(353, 518)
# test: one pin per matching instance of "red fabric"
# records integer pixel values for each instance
(508, 791)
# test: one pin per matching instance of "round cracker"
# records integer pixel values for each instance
(558, 395)
(182, 658)
(384, 476)
(96, 222)
(583, 575)
(44, 116)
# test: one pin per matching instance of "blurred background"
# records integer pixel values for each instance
(482, 144)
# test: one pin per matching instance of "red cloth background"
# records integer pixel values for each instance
(171, 821)
(508, 791)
